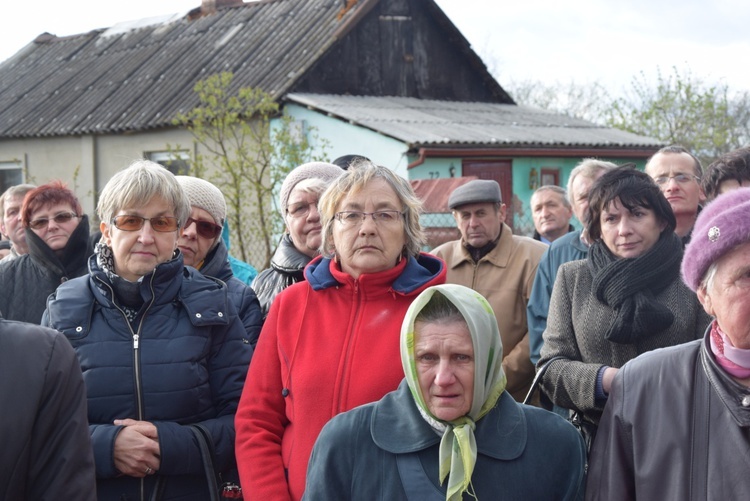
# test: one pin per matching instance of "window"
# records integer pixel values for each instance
(11, 174)
(177, 162)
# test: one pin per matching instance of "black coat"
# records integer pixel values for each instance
(27, 281)
(287, 267)
(46, 451)
(676, 427)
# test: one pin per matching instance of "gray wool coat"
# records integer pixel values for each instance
(575, 330)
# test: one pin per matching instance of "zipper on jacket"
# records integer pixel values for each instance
(347, 350)
(136, 357)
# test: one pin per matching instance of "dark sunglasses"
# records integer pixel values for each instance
(42, 222)
(204, 228)
(163, 224)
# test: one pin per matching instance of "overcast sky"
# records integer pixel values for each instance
(583, 41)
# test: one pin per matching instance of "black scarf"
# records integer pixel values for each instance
(629, 286)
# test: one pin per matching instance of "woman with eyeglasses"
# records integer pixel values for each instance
(203, 248)
(298, 203)
(57, 235)
(163, 352)
(331, 343)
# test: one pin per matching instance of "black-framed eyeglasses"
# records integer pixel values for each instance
(356, 218)
(300, 209)
(206, 229)
(679, 178)
(162, 224)
(42, 222)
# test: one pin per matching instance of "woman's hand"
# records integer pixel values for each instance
(137, 448)
(607, 377)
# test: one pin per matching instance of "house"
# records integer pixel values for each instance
(364, 73)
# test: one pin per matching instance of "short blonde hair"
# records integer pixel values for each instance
(351, 182)
(136, 186)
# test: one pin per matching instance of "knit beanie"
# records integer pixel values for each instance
(320, 170)
(206, 196)
(721, 226)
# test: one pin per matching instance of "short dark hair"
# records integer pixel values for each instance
(734, 165)
(676, 148)
(634, 189)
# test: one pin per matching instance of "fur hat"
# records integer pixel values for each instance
(476, 191)
(721, 226)
(320, 170)
(206, 196)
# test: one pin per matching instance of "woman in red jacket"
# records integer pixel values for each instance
(331, 343)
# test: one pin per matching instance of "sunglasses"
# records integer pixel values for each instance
(163, 224)
(42, 222)
(204, 228)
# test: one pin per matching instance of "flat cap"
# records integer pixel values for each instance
(476, 191)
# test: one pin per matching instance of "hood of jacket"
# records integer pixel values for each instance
(287, 258)
(68, 260)
(216, 264)
(410, 276)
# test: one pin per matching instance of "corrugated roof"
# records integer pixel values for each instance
(422, 123)
(434, 193)
(139, 76)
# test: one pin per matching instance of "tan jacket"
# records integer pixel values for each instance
(504, 277)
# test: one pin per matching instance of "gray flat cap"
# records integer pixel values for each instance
(476, 191)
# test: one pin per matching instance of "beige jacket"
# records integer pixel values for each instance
(504, 277)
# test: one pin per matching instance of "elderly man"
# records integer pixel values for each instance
(499, 265)
(551, 211)
(728, 172)
(10, 225)
(678, 174)
(570, 247)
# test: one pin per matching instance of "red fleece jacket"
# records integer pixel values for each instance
(322, 351)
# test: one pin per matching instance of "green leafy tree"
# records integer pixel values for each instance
(247, 154)
(680, 108)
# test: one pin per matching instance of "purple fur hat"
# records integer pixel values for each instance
(721, 226)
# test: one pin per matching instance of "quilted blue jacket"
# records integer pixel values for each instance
(181, 361)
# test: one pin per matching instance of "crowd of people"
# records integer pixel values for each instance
(606, 357)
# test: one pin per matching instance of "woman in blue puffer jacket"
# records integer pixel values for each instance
(162, 350)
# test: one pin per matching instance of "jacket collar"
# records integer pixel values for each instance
(407, 277)
(287, 258)
(397, 426)
(216, 263)
(70, 258)
(729, 391)
(499, 256)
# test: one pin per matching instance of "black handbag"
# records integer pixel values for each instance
(217, 490)
(587, 429)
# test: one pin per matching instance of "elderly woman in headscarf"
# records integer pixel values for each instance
(450, 430)
(677, 424)
(298, 203)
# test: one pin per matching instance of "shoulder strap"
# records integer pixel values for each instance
(701, 414)
(538, 377)
(206, 447)
(414, 479)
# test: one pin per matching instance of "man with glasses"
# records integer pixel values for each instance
(203, 248)
(497, 264)
(678, 173)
